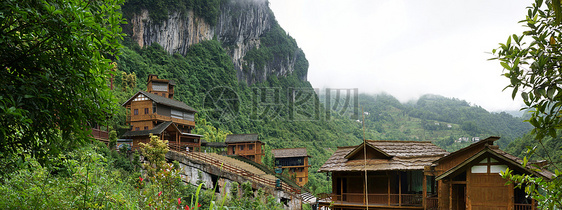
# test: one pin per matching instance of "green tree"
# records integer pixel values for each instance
(532, 62)
(55, 60)
(155, 153)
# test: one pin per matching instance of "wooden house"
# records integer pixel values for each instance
(245, 145)
(156, 112)
(294, 161)
(394, 180)
(469, 179)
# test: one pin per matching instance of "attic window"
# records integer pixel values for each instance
(141, 97)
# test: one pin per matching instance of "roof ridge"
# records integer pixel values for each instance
(407, 141)
(290, 148)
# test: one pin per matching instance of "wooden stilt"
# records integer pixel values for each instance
(388, 178)
(399, 188)
(424, 193)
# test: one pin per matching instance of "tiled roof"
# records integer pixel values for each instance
(488, 141)
(156, 130)
(404, 155)
(289, 152)
(168, 101)
(238, 138)
(163, 100)
(542, 172)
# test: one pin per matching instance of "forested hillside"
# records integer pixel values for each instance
(438, 119)
(206, 71)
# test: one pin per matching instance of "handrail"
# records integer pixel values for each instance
(522, 206)
(379, 198)
(99, 134)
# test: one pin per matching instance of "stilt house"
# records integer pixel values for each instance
(156, 112)
(420, 175)
(245, 145)
(394, 170)
(295, 161)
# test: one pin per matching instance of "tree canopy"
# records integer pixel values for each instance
(532, 62)
(55, 60)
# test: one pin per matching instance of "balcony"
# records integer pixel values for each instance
(157, 117)
(413, 201)
(100, 134)
(520, 206)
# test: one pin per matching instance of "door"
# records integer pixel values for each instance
(459, 196)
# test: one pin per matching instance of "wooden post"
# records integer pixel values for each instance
(424, 192)
(511, 196)
(364, 192)
(388, 178)
(450, 194)
(399, 188)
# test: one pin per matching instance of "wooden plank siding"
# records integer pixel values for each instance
(243, 149)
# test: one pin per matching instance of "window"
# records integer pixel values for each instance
(146, 127)
(136, 111)
(300, 169)
(300, 179)
(233, 150)
(251, 147)
(153, 107)
(145, 110)
(241, 147)
(137, 128)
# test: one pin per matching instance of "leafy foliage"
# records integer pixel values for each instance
(84, 178)
(160, 10)
(532, 64)
(55, 61)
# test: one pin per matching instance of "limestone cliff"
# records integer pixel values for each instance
(239, 27)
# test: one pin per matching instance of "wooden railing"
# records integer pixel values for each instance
(236, 170)
(142, 117)
(379, 199)
(431, 203)
(520, 206)
(100, 134)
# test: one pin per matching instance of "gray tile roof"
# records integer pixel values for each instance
(156, 130)
(289, 152)
(163, 100)
(237, 138)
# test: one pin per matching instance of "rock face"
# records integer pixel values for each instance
(239, 27)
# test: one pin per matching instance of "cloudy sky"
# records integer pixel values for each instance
(406, 48)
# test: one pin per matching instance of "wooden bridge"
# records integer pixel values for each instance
(240, 168)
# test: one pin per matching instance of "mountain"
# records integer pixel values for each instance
(246, 29)
(244, 74)
(439, 119)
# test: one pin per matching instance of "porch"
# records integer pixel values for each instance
(383, 189)
(402, 201)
